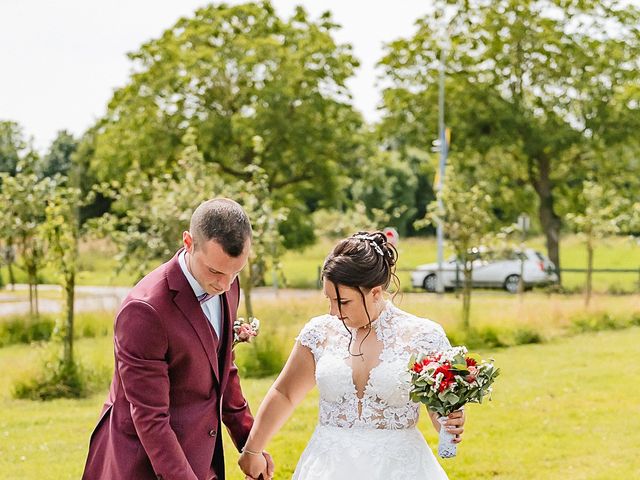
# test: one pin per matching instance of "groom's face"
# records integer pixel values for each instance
(211, 266)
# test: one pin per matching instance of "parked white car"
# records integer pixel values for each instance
(490, 269)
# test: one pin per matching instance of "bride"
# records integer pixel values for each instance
(358, 356)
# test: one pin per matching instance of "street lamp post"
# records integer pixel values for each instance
(444, 147)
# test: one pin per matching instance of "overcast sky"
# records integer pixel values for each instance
(61, 60)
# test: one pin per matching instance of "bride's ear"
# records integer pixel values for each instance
(377, 292)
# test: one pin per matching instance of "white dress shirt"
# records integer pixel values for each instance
(212, 308)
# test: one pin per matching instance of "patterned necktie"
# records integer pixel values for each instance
(204, 297)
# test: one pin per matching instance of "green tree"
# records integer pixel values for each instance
(150, 212)
(601, 217)
(233, 73)
(467, 220)
(62, 232)
(58, 159)
(387, 186)
(24, 195)
(267, 244)
(533, 87)
(12, 146)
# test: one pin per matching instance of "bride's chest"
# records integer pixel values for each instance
(388, 381)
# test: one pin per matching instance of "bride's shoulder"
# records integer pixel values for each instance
(418, 329)
(320, 322)
(316, 330)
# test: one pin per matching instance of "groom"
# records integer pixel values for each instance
(174, 379)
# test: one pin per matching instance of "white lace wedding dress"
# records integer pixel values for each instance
(378, 439)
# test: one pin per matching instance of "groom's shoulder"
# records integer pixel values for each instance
(153, 288)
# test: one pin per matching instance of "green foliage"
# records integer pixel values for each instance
(601, 217)
(150, 212)
(13, 146)
(538, 95)
(387, 186)
(525, 336)
(24, 195)
(233, 73)
(59, 157)
(263, 357)
(465, 213)
(597, 322)
(24, 329)
(59, 379)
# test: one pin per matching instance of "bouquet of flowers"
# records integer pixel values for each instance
(245, 330)
(446, 381)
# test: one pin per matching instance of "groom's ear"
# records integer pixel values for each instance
(187, 241)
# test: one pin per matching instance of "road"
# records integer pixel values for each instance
(96, 298)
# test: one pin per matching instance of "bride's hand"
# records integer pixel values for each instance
(455, 425)
(253, 465)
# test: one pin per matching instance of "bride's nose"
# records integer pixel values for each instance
(333, 309)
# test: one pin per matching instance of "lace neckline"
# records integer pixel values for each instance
(380, 321)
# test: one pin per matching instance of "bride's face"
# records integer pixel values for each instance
(351, 309)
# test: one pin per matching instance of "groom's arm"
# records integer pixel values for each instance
(235, 409)
(140, 349)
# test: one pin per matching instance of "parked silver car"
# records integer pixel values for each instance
(490, 269)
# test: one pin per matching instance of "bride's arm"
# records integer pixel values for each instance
(292, 385)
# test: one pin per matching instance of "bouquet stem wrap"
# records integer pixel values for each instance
(446, 447)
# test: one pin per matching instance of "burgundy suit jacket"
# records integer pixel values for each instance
(174, 382)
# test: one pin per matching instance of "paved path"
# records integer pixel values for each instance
(96, 298)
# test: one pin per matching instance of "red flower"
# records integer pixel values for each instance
(471, 362)
(447, 376)
(417, 367)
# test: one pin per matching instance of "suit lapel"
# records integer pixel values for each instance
(227, 338)
(188, 304)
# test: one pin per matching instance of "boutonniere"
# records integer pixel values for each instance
(245, 330)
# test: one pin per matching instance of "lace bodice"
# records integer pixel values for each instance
(385, 403)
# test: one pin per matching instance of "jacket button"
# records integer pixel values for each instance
(212, 433)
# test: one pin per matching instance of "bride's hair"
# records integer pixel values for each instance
(362, 261)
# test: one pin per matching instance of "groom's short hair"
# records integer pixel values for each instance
(222, 220)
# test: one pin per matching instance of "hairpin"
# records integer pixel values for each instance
(373, 242)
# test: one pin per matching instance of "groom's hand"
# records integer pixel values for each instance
(270, 466)
(455, 425)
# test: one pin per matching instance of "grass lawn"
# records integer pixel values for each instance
(99, 267)
(560, 410)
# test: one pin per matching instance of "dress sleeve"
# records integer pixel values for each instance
(314, 335)
(429, 337)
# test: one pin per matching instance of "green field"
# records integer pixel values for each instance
(300, 268)
(560, 410)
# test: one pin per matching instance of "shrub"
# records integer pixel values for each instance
(57, 380)
(24, 329)
(263, 357)
(525, 336)
(597, 322)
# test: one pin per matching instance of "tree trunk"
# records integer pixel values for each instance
(587, 297)
(247, 285)
(68, 337)
(466, 298)
(549, 220)
(35, 290)
(31, 284)
(12, 279)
